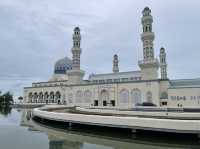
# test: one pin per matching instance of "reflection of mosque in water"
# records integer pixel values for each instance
(74, 139)
(5, 110)
(63, 144)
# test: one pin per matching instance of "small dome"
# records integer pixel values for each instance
(162, 50)
(62, 65)
(76, 29)
(146, 11)
(115, 56)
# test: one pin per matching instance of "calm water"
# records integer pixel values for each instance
(18, 131)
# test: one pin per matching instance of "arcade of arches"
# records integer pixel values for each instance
(125, 97)
(52, 97)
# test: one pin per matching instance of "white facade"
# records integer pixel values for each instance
(119, 89)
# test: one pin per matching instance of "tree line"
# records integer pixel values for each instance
(6, 98)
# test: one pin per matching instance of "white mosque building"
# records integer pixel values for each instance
(116, 89)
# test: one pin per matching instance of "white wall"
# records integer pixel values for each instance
(121, 93)
(187, 97)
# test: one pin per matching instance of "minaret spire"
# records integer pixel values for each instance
(76, 50)
(163, 64)
(147, 35)
(115, 63)
(75, 76)
(149, 65)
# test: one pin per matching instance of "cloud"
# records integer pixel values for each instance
(35, 33)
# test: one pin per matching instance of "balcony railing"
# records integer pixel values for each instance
(150, 61)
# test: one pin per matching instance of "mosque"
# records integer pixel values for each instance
(130, 89)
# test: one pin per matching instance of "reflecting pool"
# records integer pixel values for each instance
(19, 131)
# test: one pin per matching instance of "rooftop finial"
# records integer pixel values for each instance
(146, 11)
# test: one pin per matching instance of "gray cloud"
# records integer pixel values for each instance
(34, 34)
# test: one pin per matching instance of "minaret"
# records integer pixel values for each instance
(76, 50)
(163, 64)
(75, 76)
(149, 65)
(115, 64)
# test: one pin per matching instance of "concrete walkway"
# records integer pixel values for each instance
(131, 122)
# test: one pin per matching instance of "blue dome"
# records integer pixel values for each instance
(63, 65)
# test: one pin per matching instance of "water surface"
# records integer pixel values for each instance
(18, 131)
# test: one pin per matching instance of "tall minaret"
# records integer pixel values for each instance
(76, 50)
(163, 64)
(75, 76)
(149, 65)
(147, 35)
(115, 64)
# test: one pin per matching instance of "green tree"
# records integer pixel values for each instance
(6, 98)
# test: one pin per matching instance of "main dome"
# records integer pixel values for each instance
(63, 65)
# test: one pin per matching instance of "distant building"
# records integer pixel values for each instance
(120, 89)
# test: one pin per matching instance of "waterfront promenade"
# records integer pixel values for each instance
(180, 122)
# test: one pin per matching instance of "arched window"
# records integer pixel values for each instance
(149, 97)
(104, 95)
(52, 96)
(147, 52)
(150, 28)
(87, 96)
(58, 95)
(146, 29)
(30, 97)
(70, 98)
(136, 96)
(40, 97)
(79, 96)
(35, 96)
(124, 96)
(46, 95)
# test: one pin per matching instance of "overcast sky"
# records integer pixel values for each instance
(36, 33)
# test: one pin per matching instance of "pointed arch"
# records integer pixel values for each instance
(79, 96)
(104, 97)
(40, 97)
(52, 96)
(149, 97)
(30, 97)
(58, 97)
(136, 97)
(87, 96)
(35, 97)
(70, 98)
(124, 96)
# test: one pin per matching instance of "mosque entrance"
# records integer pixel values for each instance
(104, 98)
(104, 103)
(112, 102)
(96, 103)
